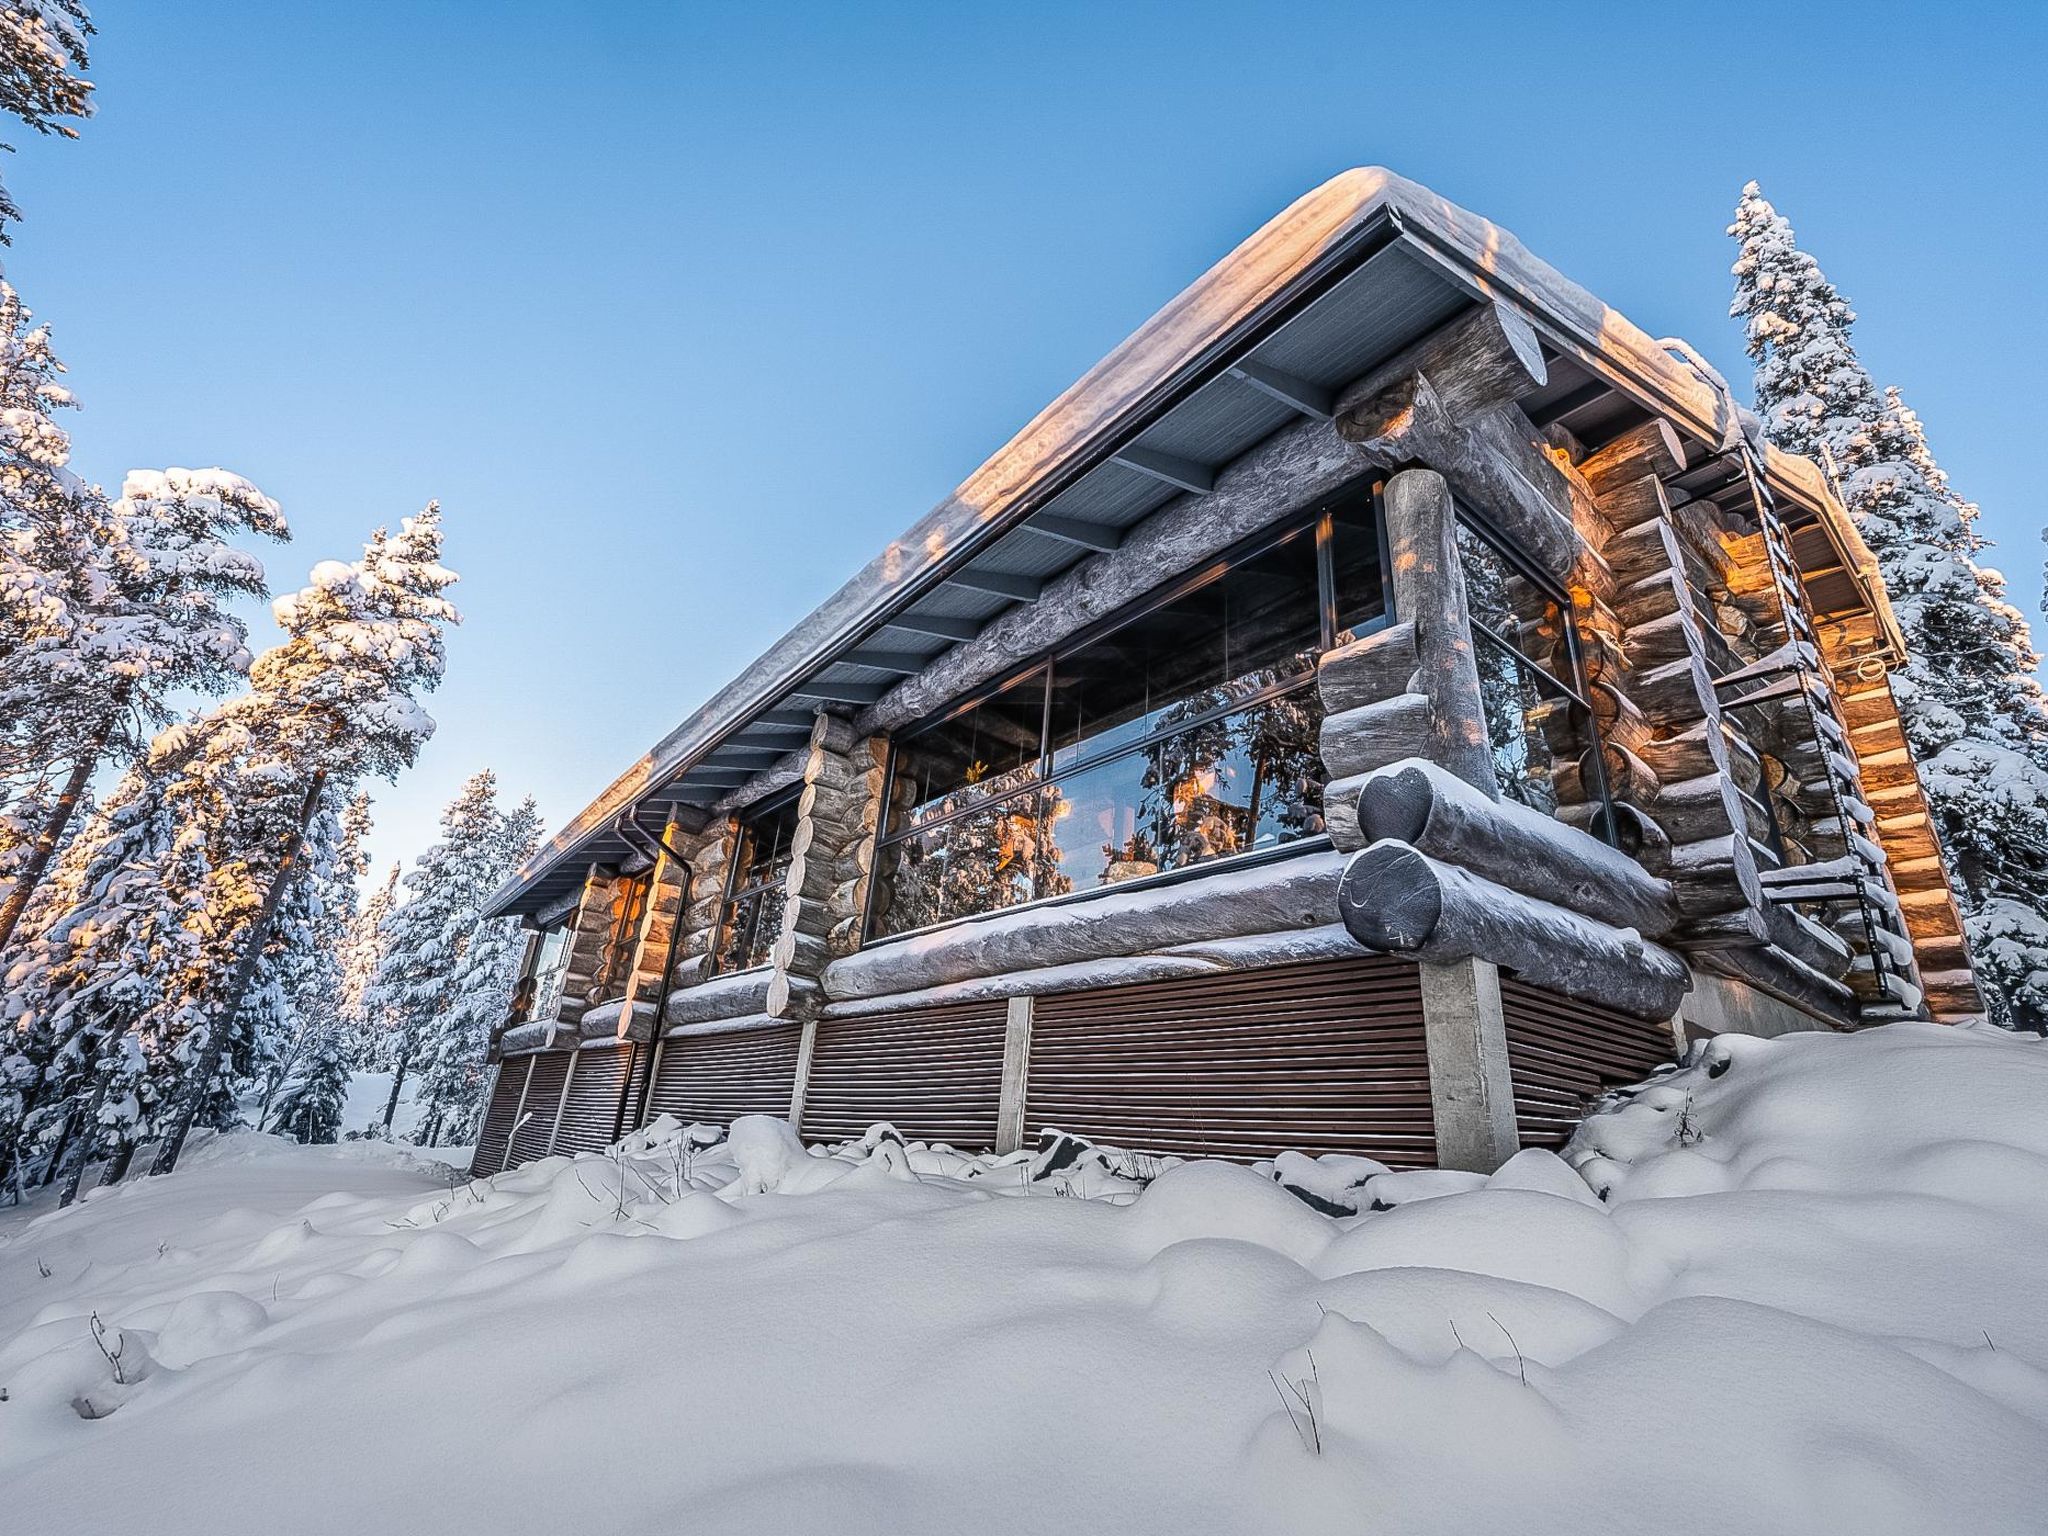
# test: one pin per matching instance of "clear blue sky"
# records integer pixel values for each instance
(682, 310)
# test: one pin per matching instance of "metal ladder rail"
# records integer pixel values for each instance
(1804, 659)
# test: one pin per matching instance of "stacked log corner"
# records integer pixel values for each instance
(1905, 828)
(1412, 689)
(830, 854)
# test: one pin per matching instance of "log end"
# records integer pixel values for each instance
(1389, 898)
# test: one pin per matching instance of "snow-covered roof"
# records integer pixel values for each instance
(1338, 282)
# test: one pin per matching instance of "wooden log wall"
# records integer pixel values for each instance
(1905, 827)
(1679, 605)
(836, 811)
(589, 929)
(710, 854)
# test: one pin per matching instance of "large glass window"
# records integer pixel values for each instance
(1182, 732)
(751, 919)
(547, 966)
(1537, 718)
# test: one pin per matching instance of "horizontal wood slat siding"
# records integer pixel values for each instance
(936, 1074)
(717, 1078)
(497, 1126)
(592, 1109)
(543, 1097)
(1326, 1057)
(1564, 1054)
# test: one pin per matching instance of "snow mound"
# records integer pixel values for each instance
(1792, 1286)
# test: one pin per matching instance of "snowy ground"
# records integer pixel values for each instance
(1810, 1303)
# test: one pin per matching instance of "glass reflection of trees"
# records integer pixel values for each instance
(752, 917)
(1537, 719)
(1186, 733)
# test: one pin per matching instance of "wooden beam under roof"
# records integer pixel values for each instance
(1072, 530)
(739, 749)
(708, 773)
(1024, 589)
(1296, 393)
(1184, 474)
(937, 625)
(839, 692)
(760, 734)
(904, 663)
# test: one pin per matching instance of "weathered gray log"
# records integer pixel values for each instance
(1528, 500)
(1693, 810)
(1300, 892)
(1397, 899)
(1775, 972)
(722, 997)
(1652, 448)
(1429, 593)
(1630, 829)
(1677, 693)
(1636, 510)
(1374, 735)
(1419, 804)
(1487, 355)
(1288, 471)
(1715, 875)
(1366, 670)
(1563, 440)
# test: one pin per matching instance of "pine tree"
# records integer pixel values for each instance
(419, 982)
(41, 43)
(164, 977)
(309, 1105)
(453, 1056)
(362, 951)
(333, 703)
(1976, 718)
(312, 959)
(110, 611)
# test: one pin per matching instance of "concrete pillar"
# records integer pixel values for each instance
(806, 1044)
(1471, 1090)
(1016, 1070)
(561, 1099)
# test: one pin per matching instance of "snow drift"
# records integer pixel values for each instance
(1791, 1287)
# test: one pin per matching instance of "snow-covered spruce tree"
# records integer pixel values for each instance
(310, 964)
(1967, 699)
(184, 906)
(110, 612)
(310, 1104)
(333, 703)
(362, 951)
(107, 608)
(42, 44)
(114, 972)
(425, 939)
(452, 1059)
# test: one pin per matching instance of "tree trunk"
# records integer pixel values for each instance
(117, 1165)
(63, 1146)
(81, 1149)
(238, 984)
(38, 861)
(397, 1082)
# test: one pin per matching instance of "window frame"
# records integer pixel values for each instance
(555, 976)
(767, 806)
(1318, 522)
(1578, 690)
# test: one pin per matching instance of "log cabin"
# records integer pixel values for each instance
(1387, 702)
